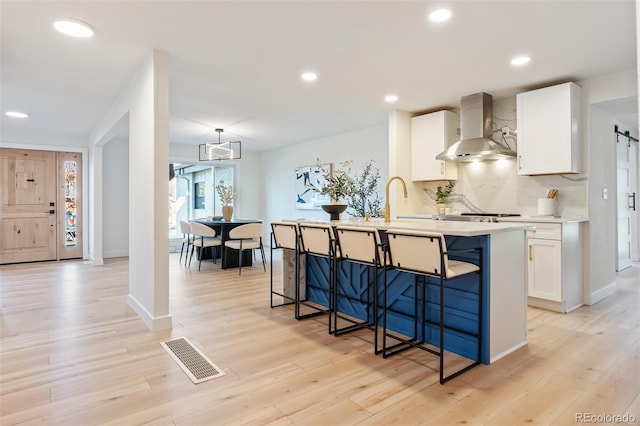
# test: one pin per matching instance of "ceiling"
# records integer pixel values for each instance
(237, 64)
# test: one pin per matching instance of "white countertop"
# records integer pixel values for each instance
(543, 219)
(465, 229)
(528, 219)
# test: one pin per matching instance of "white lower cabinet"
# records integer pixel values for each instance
(545, 269)
(554, 266)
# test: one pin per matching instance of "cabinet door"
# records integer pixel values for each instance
(430, 135)
(548, 130)
(544, 269)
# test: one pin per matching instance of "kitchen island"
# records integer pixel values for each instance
(504, 319)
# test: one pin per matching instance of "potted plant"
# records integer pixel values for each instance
(338, 185)
(227, 195)
(442, 194)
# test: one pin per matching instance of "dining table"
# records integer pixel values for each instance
(228, 256)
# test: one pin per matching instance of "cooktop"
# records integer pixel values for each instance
(490, 214)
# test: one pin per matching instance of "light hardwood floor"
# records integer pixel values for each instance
(72, 352)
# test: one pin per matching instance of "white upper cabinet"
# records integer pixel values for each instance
(430, 135)
(549, 130)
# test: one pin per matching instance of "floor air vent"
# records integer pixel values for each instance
(192, 361)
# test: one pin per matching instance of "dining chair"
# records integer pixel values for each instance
(203, 236)
(187, 239)
(246, 237)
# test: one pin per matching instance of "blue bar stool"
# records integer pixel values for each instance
(363, 246)
(425, 255)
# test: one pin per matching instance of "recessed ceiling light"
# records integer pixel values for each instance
(16, 114)
(390, 98)
(520, 60)
(73, 28)
(440, 15)
(309, 76)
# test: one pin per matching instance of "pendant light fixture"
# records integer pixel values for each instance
(220, 150)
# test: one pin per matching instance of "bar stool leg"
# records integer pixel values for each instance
(441, 330)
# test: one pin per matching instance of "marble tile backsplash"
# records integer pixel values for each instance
(496, 187)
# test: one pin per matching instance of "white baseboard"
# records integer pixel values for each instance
(601, 294)
(96, 261)
(507, 352)
(116, 253)
(154, 324)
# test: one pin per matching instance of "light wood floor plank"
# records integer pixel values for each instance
(72, 352)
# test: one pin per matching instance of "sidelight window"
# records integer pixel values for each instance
(70, 202)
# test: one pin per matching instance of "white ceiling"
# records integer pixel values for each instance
(237, 64)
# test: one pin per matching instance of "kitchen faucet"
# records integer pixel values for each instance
(387, 207)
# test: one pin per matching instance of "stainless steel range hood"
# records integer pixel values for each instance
(475, 144)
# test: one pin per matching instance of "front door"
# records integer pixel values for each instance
(28, 228)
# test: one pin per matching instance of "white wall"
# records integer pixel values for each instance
(602, 225)
(600, 236)
(47, 141)
(278, 165)
(399, 152)
(115, 198)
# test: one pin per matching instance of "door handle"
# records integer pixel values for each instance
(442, 167)
(632, 199)
(520, 162)
(52, 212)
(31, 180)
(530, 252)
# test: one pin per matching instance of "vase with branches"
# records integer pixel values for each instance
(227, 194)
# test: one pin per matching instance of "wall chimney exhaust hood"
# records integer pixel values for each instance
(475, 144)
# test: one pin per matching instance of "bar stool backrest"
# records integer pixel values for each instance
(317, 239)
(423, 252)
(360, 244)
(285, 235)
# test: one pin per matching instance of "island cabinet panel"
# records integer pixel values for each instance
(430, 135)
(549, 130)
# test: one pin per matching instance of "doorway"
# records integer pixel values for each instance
(41, 205)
